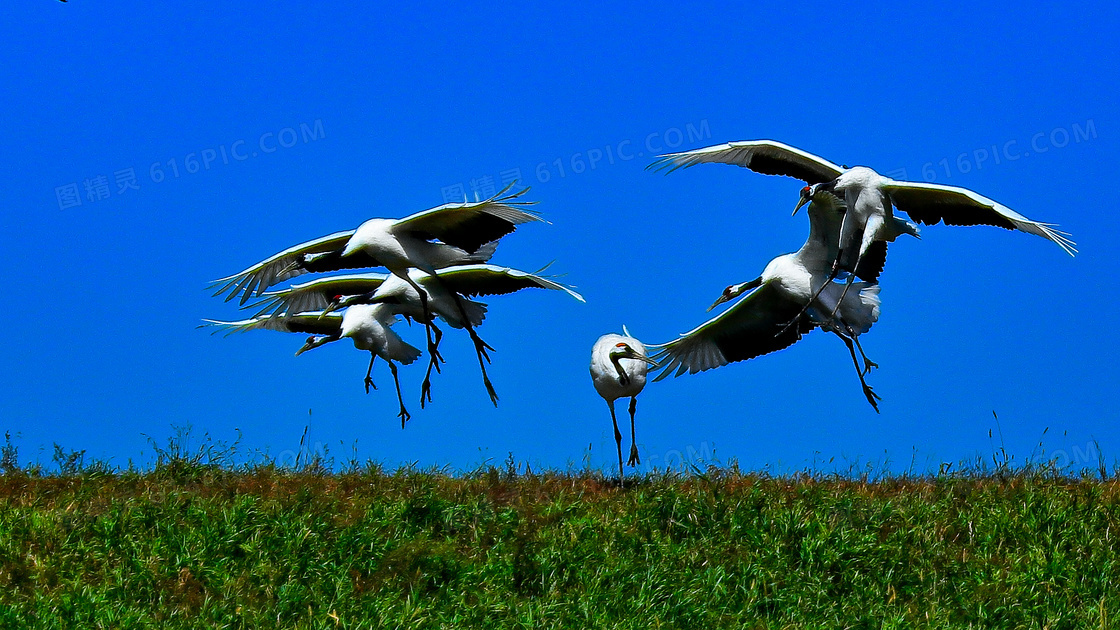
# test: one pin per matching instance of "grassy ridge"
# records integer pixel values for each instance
(186, 545)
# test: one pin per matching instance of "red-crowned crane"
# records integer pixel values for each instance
(869, 198)
(368, 325)
(618, 370)
(775, 315)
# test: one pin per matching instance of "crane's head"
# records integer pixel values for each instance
(312, 343)
(623, 350)
(806, 197)
(334, 305)
(735, 290)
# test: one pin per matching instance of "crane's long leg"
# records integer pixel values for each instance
(369, 373)
(426, 386)
(867, 363)
(404, 415)
(433, 351)
(847, 285)
(480, 348)
(618, 443)
(870, 230)
(634, 460)
(871, 396)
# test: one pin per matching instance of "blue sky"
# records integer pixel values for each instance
(224, 136)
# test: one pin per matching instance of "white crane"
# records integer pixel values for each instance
(746, 330)
(368, 325)
(618, 370)
(447, 235)
(445, 291)
(868, 196)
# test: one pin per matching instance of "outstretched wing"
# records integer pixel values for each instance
(469, 225)
(278, 268)
(305, 323)
(934, 203)
(748, 329)
(761, 156)
(476, 280)
(317, 294)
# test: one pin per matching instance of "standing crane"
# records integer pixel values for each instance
(368, 325)
(448, 292)
(444, 236)
(618, 369)
(869, 198)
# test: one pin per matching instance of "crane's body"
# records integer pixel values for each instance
(451, 234)
(618, 370)
(777, 303)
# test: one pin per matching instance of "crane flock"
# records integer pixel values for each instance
(438, 260)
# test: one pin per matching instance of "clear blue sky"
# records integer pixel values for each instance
(248, 131)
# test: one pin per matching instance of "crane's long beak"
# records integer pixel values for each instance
(650, 361)
(733, 292)
(311, 343)
(804, 200)
(332, 307)
(721, 300)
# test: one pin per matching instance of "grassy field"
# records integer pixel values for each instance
(187, 544)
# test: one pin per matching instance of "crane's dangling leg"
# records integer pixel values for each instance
(870, 231)
(404, 415)
(433, 351)
(847, 285)
(369, 373)
(634, 460)
(868, 364)
(480, 348)
(618, 443)
(426, 386)
(871, 396)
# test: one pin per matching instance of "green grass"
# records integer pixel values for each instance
(187, 544)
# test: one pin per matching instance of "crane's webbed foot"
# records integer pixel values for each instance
(404, 416)
(868, 365)
(634, 459)
(369, 384)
